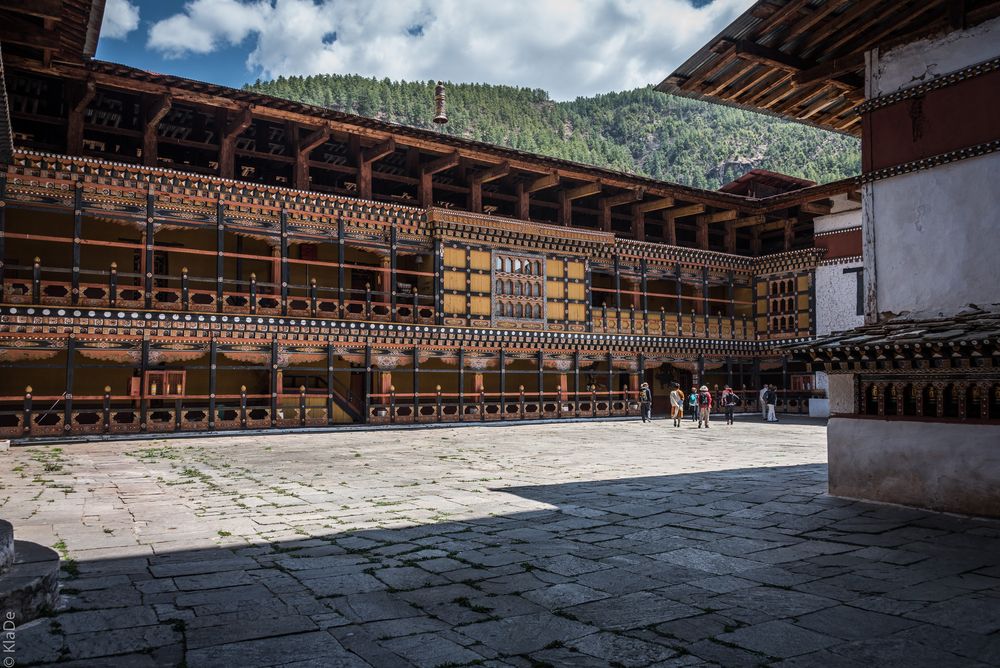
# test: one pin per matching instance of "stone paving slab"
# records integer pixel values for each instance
(595, 544)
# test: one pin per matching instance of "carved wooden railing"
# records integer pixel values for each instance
(609, 320)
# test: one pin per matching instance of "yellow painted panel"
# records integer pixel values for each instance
(577, 291)
(761, 289)
(480, 306)
(554, 268)
(454, 280)
(556, 311)
(454, 257)
(454, 303)
(554, 290)
(576, 269)
(803, 303)
(577, 312)
(803, 283)
(480, 283)
(479, 259)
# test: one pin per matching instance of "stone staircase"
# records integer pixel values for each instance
(29, 577)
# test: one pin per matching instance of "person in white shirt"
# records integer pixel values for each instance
(763, 403)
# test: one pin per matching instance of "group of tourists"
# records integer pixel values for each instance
(699, 404)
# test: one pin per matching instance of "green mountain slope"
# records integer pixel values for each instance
(639, 131)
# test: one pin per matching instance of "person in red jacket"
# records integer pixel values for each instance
(704, 405)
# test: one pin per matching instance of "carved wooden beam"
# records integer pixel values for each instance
(425, 189)
(303, 147)
(586, 190)
(748, 221)
(719, 217)
(608, 203)
(379, 150)
(74, 126)
(656, 205)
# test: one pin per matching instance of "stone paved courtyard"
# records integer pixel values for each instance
(588, 544)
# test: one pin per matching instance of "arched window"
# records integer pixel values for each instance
(517, 289)
(517, 265)
(506, 264)
(519, 310)
(498, 265)
(528, 269)
(510, 310)
(538, 311)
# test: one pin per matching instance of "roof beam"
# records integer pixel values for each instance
(492, 173)
(379, 150)
(440, 164)
(46, 9)
(586, 190)
(314, 140)
(832, 68)
(718, 217)
(19, 30)
(749, 221)
(542, 183)
(683, 211)
(656, 205)
(624, 198)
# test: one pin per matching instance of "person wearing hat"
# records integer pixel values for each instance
(677, 404)
(729, 401)
(704, 405)
(646, 402)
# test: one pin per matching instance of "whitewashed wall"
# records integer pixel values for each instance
(931, 239)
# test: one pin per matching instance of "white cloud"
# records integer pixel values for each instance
(120, 18)
(568, 47)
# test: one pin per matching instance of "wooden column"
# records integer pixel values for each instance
(576, 381)
(148, 240)
(565, 209)
(68, 398)
(541, 382)
(329, 383)
(213, 356)
(233, 128)
(503, 385)
(304, 147)
(393, 266)
(220, 249)
(523, 202)
(283, 219)
(77, 233)
(416, 383)
(75, 119)
(702, 234)
(755, 245)
(706, 305)
(611, 379)
(274, 382)
(438, 282)
(461, 384)
(341, 274)
(143, 368)
(789, 230)
(368, 384)
(155, 109)
(643, 289)
(730, 242)
(731, 298)
(425, 190)
(670, 228)
(479, 178)
(680, 292)
(3, 237)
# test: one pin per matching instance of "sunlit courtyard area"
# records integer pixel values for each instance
(596, 544)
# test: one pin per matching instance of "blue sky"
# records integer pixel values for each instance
(568, 47)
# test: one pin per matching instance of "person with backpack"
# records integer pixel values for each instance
(677, 404)
(771, 399)
(693, 403)
(729, 403)
(646, 402)
(704, 405)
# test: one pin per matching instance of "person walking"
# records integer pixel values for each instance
(762, 397)
(693, 403)
(646, 402)
(676, 404)
(729, 403)
(771, 399)
(704, 405)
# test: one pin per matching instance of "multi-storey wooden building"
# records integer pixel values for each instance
(181, 256)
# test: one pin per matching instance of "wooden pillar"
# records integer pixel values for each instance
(274, 381)
(3, 237)
(541, 382)
(393, 266)
(755, 245)
(283, 218)
(680, 292)
(68, 397)
(368, 384)
(618, 290)
(220, 248)
(702, 234)
(148, 240)
(227, 147)
(77, 233)
(303, 148)
(438, 282)
(341, 274)
(461, 384)
(565, 209)
(576, 379)
(643, 289)
(523, 201)
(638, 223)
(213, 357)
(155, 110)
(731, 299)
(611, 378)
(789, 229)
(705, 304)
(503, 385)
(605, 216)
(730, 236)
(670, 228)
(75, 118)
(416, 382)
(329, 383)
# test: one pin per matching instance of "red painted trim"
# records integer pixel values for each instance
(944, 119)
(845, 243)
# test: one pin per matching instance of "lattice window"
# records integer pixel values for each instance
(518, 287)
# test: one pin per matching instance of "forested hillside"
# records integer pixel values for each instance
(639, 131)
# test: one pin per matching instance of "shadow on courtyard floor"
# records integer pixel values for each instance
(739, 567)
